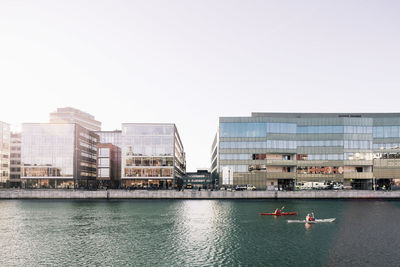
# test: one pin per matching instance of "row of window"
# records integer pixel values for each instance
(343, 156)
(285, 144)
(148, 172)
(235, 168)
(104, 152)
(300, 170)
(321, 143)
(320, 170)
(86, 164)
(254, 129)
(88, 174)
(340, 129)
(254, 157)
(260, 129)
(88, 137)
(386, 146)
(42, 172)
(357, 144)
(272, 144)
(148, 129)
(103, 172)
(320, 157)
(386, 131)
(139, 161)
(86, 145)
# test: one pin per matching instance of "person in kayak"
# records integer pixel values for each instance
(310, 217)
(277, 211)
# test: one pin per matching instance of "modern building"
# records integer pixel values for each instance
(55, 155)
(4, 153)
(199, 179)
(15, 160)
(152, 155)
(73, 115)
(110, 137)
(282, 150)
(108, 166)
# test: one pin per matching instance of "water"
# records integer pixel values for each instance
(197, 233)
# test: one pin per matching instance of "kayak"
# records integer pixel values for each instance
(316, 221)
(279, 214)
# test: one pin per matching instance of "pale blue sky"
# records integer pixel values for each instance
(189, 62)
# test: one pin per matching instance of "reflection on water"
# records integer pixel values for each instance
(197, 233)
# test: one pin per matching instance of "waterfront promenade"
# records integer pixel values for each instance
(193, 194)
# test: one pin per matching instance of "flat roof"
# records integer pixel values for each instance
(325, 115)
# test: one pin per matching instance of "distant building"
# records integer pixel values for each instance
(282, 150)
(201, 178)
(55, 155)
(4, 153)
(108, 166)
(15, 160)
(73, 115)
(152, 155)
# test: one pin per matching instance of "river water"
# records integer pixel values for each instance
(197, 233)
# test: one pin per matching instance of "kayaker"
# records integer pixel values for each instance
(277, 211)
(310, 217)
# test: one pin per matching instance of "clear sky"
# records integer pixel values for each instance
(189, 62)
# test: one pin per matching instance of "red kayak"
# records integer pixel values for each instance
(279, 214)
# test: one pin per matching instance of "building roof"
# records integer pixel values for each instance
(325, 115)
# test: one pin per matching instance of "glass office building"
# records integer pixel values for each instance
(58, 156)
(281, 150)
(152, 155)
(4, 153)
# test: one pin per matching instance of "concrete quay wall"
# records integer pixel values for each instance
(192, 194)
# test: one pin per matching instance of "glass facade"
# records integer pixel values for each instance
(151, 151)
(254, 129)
(110, 137)
(57, 155)
(274, 148)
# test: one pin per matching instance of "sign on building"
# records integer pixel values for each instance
(227, 176)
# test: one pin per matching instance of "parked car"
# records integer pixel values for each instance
(338, 187)
(189, 186)
(240, 187)
(251, 187)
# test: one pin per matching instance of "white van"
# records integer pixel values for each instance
(313, 185)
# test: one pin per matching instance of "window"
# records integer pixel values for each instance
(104, 172)
(104, 162)
(104, 152)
